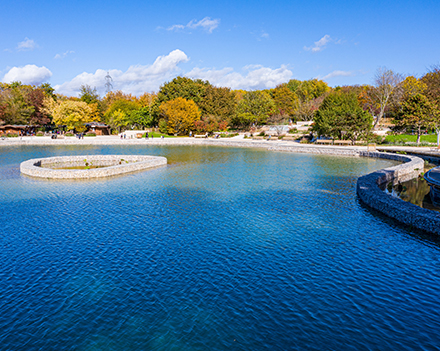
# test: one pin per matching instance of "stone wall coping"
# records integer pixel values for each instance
(115, 165)
(369, 191)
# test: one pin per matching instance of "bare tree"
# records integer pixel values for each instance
(387, 88)
(278, 122)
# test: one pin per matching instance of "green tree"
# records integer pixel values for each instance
(129, 109)
(254, 108)
(340, 116)
(89, 95)
(180, 115)
(218, 102)
(418, 113)
(183, 87)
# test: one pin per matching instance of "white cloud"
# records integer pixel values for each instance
(320, 44)
(206, 23)
(136, 80)
(257, 77)
(26, 45)
(63, 55)
(29, 74)
(338, 74)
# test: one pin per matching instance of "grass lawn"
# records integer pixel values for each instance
(404, 138)
(158, 135)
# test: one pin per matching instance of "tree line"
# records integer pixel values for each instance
(183, 105)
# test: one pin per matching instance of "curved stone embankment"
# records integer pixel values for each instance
(369, 191)
(112, 165)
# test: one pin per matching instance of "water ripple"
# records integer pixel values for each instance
(225, 249)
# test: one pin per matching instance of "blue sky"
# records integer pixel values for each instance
(239, 44)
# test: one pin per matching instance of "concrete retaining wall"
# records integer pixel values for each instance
(114, 165)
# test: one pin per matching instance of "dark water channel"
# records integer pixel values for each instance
(224, 249)
(415, 191)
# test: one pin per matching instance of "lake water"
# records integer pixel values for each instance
(223, 249)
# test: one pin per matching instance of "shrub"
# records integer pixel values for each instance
(40, 134)
(12, 135)
(68, 134)
(91, 134)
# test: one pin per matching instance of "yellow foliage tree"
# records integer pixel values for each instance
(118, 119)
(413, 86)
(180, 115)
(73, 114)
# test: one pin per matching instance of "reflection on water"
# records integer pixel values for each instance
(415, 191)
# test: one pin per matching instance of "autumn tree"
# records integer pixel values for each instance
(22, 104)
(286, 102)
(340, 116)
(72, 114)
(432, 82)
(180, 115)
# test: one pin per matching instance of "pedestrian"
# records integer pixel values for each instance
(151, 135)
(146, 135)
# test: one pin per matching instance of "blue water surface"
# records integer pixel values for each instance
(223, 249)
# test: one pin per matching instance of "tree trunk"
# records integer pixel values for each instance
(419, 132)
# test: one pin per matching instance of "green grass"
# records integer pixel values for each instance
(405, 138)
(158, 135)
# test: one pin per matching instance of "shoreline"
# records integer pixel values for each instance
(273, 145)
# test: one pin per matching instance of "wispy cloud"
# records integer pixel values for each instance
(338, 74)
(27, 45)
(320, 44)
(63, 55)
(264, 35)
(208, 24)
(29, 74)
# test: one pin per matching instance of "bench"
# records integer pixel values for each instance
(371, 147)
(343, 142)
(324, 141)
